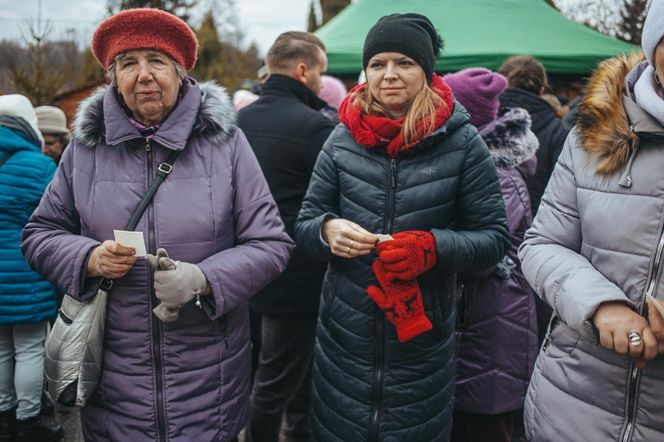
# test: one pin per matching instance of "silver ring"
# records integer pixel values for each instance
(634, 338)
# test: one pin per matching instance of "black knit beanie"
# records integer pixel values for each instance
(409, 34)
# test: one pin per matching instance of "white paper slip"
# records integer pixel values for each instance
(131, 239)
(658, 306)
(382, 237)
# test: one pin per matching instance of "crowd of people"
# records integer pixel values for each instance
(420, 258)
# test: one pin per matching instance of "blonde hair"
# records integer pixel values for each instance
(423, 107)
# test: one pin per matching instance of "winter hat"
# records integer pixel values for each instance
(653, 28)
(333, 91)
(51, 120)
(410, 34)
(15, 105)
(477, 89)
(145, 28)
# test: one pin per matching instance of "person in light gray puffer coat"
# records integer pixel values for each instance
(594, 254)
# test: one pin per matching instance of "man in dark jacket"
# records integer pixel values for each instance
(287, 132)
(527, 81)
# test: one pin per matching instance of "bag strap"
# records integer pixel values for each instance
(4, 159)
(163, 170)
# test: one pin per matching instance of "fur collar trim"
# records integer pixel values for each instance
(216, 119)
(509, 138)
(603, 126)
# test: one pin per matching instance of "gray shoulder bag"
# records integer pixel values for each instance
(75, 346)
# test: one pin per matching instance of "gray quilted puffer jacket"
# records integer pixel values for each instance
(595, 239)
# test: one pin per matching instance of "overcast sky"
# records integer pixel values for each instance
(261, 20)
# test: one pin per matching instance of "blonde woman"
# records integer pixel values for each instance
(407, 163)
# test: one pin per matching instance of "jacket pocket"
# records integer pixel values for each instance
(462, 308)
(560, 340)
(436, 316)
(330, 287)
(553, 324)
(223, 330)
(452, 295)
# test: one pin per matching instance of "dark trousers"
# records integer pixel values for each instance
(473, 427)
(282, 384)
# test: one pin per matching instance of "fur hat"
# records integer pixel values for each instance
(144, 28)
(333, 91)
(410, 34)
(51, 120)
(477, 89)
(15, 105)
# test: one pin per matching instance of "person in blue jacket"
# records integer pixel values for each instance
(26, 300)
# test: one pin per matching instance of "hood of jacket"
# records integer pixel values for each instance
(610, 121)
(510, 140)
(541, 111)
(14, 137)
(17, 134)
(203, 110)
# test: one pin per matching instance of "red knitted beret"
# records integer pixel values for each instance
(145, 28)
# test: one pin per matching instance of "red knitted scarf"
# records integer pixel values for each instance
(372, 130)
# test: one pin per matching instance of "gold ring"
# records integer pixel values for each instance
(348, 250)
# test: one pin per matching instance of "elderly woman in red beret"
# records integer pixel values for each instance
(176, 349)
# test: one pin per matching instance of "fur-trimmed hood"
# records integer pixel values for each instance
(215, 120)
(510, 140)
(604, 127)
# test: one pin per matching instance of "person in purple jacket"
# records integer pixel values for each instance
(497, 338)
(182, 372)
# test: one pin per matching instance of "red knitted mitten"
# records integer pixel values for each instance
(410, 254)
(402, 303)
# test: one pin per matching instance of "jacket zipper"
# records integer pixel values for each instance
(379, 368)
(156, 326)
(635, 373)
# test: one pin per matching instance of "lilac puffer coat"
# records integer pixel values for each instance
(498, 327)
(187, 380)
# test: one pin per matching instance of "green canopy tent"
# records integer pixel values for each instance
(477, 33)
